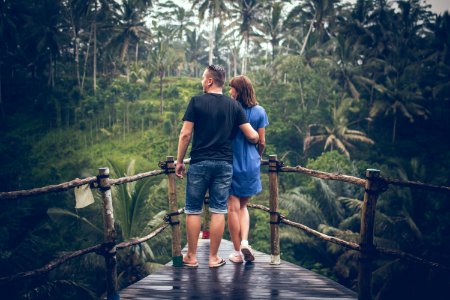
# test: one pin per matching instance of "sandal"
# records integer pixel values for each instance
(188, 265)
(222, 262)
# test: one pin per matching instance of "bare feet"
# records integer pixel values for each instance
(216, 262)
(190, 262)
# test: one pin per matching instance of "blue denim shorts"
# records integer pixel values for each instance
(214, 175)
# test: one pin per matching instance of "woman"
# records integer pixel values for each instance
(246, 180)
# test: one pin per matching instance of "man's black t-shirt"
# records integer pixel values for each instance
(216, 120)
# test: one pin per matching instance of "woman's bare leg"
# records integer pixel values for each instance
(244, 218)
(234, 221)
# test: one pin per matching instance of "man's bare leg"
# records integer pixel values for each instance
(216, 228)
(193, 223)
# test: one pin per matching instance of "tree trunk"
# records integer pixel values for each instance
(245, 60)
(305, 41)
(94, 75)
(394, 129)
(51, 78)
(211, 42)
(77, 51)
(86, 58)
(234, 65)
(272, 42)
(137, 53)
(2, 111)
(128, 117)
(161, 96)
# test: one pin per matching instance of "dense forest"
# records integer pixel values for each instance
(92, 83)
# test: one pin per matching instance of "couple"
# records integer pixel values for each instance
(221, 128)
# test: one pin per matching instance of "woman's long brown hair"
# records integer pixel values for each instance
(245, 92)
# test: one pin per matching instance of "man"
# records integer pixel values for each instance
(213, 119)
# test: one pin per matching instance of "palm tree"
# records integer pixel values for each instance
(194, 50)
(180, 18)
(397, 104)
(9, 34)
(337, 134)
(129, 27)
(161, 57)
(272, 26)
(249, 13)
(348, 60)
(439, 57)
(43, 38)
(134, 203)
(215, 9)
(318, 14)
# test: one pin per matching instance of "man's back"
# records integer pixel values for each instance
(216, 119)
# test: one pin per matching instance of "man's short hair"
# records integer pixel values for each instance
(217, 73)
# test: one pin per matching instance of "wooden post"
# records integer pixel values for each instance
(177, 258)
(274, 217)
(372, 190)
(206, 218)
(109, 234)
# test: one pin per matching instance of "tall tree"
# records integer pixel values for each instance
(272, 25)
(312, 16)
(194, 51)
(161, 57)
(248, 12)
(337, 134)
(128, 19)
(396, 60)
(215, 9)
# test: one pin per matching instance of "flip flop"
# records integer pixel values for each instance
(188, 265)
(222, 262)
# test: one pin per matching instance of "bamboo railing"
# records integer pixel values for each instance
(373, 186)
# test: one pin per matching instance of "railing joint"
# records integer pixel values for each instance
(280, 217)
(164, 165)
(168, 218)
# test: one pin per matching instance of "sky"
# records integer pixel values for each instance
(439, 6)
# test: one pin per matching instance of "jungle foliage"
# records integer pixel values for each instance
(86, 84)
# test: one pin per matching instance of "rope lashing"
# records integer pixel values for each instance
(280, 217)
(380, 186)
(277, 167)
(105, 249)
(100, 187)
(164, 166)
(168, 218)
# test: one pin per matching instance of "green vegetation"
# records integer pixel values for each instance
(86, 84)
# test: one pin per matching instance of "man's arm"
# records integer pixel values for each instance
(262, 140)
(250, 133)
(183, 143)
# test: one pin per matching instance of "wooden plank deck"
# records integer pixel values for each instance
(257, 280)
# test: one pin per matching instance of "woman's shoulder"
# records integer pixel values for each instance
(259, 108)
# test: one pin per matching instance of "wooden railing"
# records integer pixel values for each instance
(373, 186)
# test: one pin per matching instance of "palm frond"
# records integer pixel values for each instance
(353, 204)
(56, 290)
(55, 212)
(301, 208)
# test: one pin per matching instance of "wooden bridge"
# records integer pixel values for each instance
(268, 277)
(256, 280)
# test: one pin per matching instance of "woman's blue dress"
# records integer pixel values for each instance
(246, 180)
